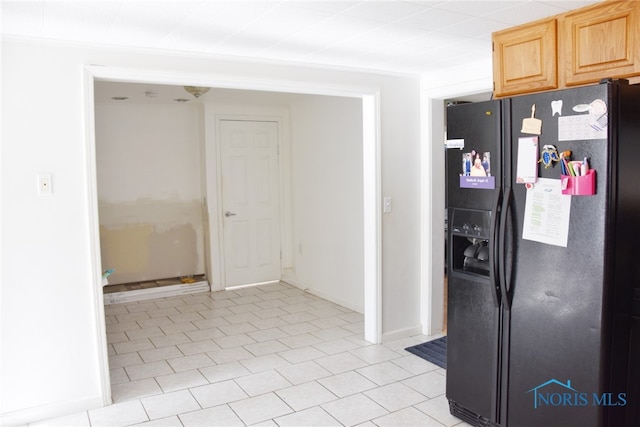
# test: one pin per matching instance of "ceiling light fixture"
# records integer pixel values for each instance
(196, 91)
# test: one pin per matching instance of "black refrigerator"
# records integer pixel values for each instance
(543, 258)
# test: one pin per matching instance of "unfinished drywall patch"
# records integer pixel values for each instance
(183, 253)
(126, 249)
(149, 189)
(151, 239)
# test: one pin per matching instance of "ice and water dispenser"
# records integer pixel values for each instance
(470, 230)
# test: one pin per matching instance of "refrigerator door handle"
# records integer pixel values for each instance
(494, 248)
(506, 292)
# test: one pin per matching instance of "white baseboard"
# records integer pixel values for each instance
(159, 292)
(401, 333)
(46, 412)
(323, 295)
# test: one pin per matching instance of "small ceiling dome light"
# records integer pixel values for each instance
(196, 91)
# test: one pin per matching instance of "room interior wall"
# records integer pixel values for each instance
(326, 185)
(51, 349)
(327, 198)
(400, 154)
(149, 192)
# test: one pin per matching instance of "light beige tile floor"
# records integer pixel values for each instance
(271, 355)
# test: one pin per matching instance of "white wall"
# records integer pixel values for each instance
(50, 358)
(150, 197)
(327, 187)
(325, 182)
(401, 228)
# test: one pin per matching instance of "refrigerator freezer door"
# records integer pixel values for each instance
(472, 350)
(474, 179)
(473, 166)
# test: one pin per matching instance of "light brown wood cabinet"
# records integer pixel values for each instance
(600, 41)
(578, 47)
(525, 58)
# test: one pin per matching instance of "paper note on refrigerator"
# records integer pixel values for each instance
(546, 213)
(582, 127)
(527, 168)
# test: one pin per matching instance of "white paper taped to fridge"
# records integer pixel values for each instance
(527, 167)
(580, 127)
(455, 143)
(546, 213)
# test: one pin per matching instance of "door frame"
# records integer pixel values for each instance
(372, 181)
(432, 197)
(213, 173)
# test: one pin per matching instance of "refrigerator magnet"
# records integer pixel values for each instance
(476, 171)
(549, 155)
(598, 118)
(581, 108)
(527, 165)
(532, 125)
(598, 108)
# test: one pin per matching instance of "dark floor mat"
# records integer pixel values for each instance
(432, 351)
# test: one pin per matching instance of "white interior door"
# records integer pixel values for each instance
(250, 201)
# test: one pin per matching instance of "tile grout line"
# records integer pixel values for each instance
(319, 320)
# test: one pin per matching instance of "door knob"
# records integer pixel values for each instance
(228, 214)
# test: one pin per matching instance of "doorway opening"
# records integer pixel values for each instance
(434, 238)
(370, 175)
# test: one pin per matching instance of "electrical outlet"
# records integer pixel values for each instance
(44, 184)
(387, 205)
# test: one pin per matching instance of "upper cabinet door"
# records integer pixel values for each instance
(525, 58)
(600, 41)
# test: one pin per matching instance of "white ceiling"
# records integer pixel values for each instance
(394, 36)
